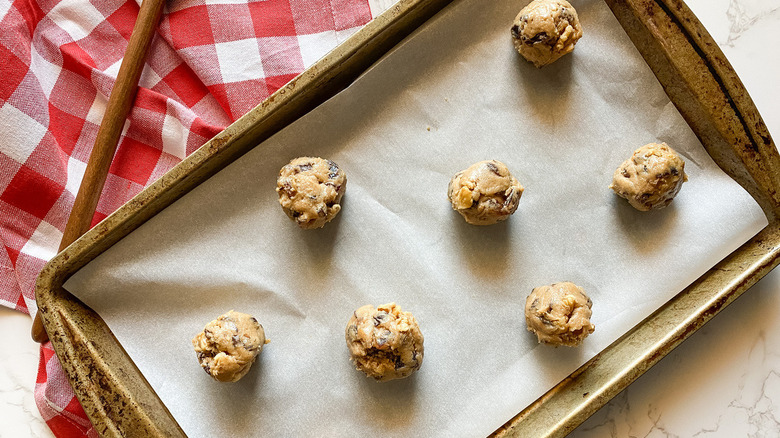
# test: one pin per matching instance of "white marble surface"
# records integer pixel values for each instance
(724, 381)
(19, 417)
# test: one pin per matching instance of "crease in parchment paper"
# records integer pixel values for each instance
(454, 93)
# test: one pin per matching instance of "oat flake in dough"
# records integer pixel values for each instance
(385, 343)
(310, 190)
(228, 346)
(559, 314)
(485, 193)
(651, 178)
(545, 30)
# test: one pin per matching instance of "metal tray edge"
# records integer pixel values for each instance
(684, 58)
(116, 397)
(707, 92)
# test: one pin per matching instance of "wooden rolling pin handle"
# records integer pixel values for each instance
(120, 102)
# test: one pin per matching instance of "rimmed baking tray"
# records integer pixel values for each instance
(686, 61)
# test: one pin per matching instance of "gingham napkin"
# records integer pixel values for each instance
(210, 62)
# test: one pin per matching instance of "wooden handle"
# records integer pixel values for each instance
(120, 102)
(119, 105)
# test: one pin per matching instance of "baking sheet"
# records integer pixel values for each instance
(452, 94)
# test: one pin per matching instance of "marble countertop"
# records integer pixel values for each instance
(724, 381)
(19, 417)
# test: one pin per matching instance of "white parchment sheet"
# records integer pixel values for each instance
(452, 94)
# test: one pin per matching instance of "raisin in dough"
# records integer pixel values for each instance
(651, 178)
(310, 190)
(545, 30)
(228, 346)
(559, 314)
(485, 193)
(385, 343)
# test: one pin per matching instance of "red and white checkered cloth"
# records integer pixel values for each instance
(211, 62)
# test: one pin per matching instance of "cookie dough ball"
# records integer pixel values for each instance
(651, 178)
(545, 30)
(228, 346)
(385, 343)
(310, 190)
(485, 193)
(559, 314)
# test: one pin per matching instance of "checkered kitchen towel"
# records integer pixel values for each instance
(211, 62)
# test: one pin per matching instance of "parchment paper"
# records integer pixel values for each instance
(452, 94)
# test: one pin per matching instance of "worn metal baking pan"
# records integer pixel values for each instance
(687, 62)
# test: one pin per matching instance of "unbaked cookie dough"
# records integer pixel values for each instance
(485, 193)
(545, 30)
(559, 314)
(651, 178)
(385, 343)
(310, 190)
(228, 346)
